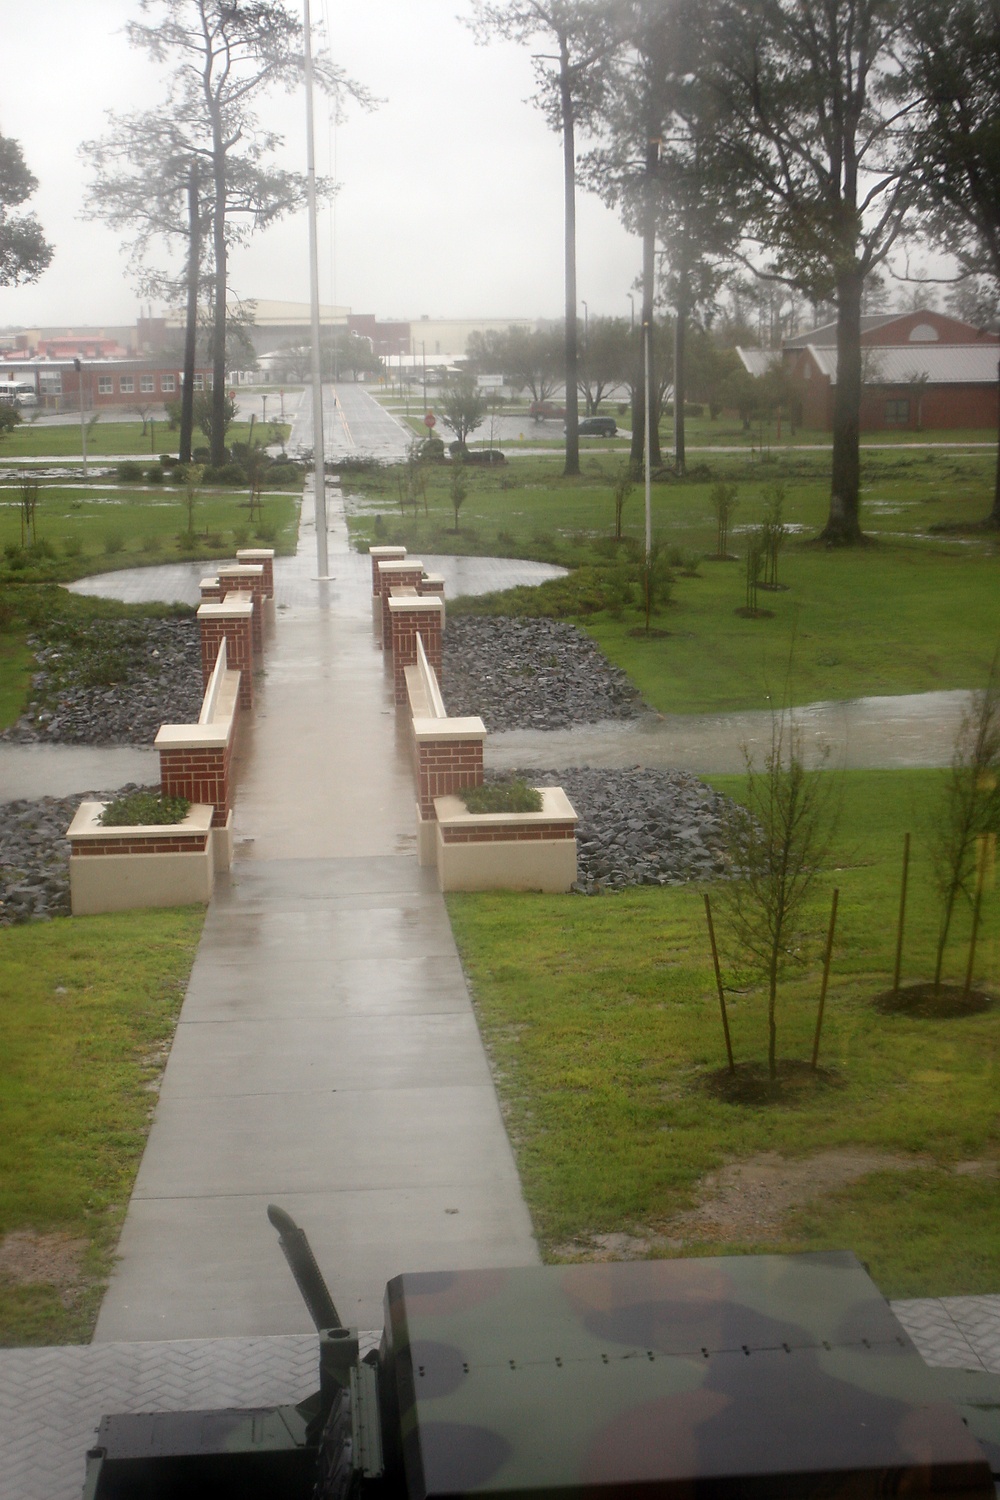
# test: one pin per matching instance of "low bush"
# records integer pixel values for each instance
(114, 543)
(155, 475)
(144, 809)
(283, 474)
(128, 471)
(502, 797)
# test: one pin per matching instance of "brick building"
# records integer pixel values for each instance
(918, 369)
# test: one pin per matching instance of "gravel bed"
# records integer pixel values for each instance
(531, 674)
(112, 682)
(640, 827)
(34, 854)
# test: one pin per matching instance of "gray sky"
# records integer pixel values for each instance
(451, 195)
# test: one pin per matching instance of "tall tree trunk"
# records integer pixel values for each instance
(572, 465)
(843, 526)
(680, 329)
(191, 318)
(218, 439)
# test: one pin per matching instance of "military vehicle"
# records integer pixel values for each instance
(727, 1378)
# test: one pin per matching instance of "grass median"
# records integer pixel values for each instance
(90, 1005)
(602, 1022)
(62, 439)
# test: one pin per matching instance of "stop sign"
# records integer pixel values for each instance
(430, 420)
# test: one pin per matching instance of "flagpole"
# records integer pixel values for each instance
(319, 454)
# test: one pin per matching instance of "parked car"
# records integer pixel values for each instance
(597, 427)
(547, 411)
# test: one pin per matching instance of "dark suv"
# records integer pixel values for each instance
(597, 427)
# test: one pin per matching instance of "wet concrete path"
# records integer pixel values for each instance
(327, 1056)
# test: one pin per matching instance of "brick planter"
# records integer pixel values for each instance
(507, 851)
(230, 622)
(448, 756)
(116, 869)
(407, 618)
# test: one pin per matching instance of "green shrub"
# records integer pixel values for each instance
(152, 544)
(201, 456)
(154, 475)
(169, 460)
(42, 550)
(502, 797)
(114, 543)
(144, 809)
(266, 532)
(284, 474)
(128, 471)
(241, 536)
(73, 545)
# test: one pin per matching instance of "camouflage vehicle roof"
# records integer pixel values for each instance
(736, 1376)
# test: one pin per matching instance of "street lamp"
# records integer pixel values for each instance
(632, 303)
(78, 367)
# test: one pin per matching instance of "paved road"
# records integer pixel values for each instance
(353, 423)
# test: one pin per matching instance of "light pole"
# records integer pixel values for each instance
(319, 454)
(647, 443)
(632, 305)
(586, 348)
(78, 367)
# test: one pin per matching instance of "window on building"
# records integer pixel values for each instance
(199, 382)
(50, 382)
(923, 333)
(167, 384)
(105, 385)
(897, 413)
(126, 384)
(147, 384)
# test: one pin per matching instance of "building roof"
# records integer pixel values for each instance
(938, 364)
(759, 361)
(825, 336)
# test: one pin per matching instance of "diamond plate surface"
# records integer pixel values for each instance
(51, 1400)
(957, 1332)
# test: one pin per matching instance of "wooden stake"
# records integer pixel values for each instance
(826, 973)
(902, 916)
(718, 981)
(977, 906)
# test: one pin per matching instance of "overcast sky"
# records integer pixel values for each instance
(451, 195)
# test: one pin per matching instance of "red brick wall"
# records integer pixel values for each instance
(403, 578)
(202, 775)
(394, 554)
(236, 632)
(405, 625)
(177, 843)
(444, 767)
(512, 832)
(234, 583)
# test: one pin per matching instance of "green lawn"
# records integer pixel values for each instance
(88, 529)
(90, 1005)
(602, 1021)
(914, 611)
(62, 440)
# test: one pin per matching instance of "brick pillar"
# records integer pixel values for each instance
(247, 578)
(409, 617)
(406, 573)
(265, 557)
(379, 555)
(448, 755)
(210, 590)
(196, 763)
(230, 622)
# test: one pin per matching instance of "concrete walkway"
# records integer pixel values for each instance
(327, 1057)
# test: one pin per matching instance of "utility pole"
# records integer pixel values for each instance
(78, 367)
(319, 455)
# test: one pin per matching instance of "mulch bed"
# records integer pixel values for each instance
(945, 1003)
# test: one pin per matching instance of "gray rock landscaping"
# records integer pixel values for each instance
(112, 682)
(640, 827)
(530, 674)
